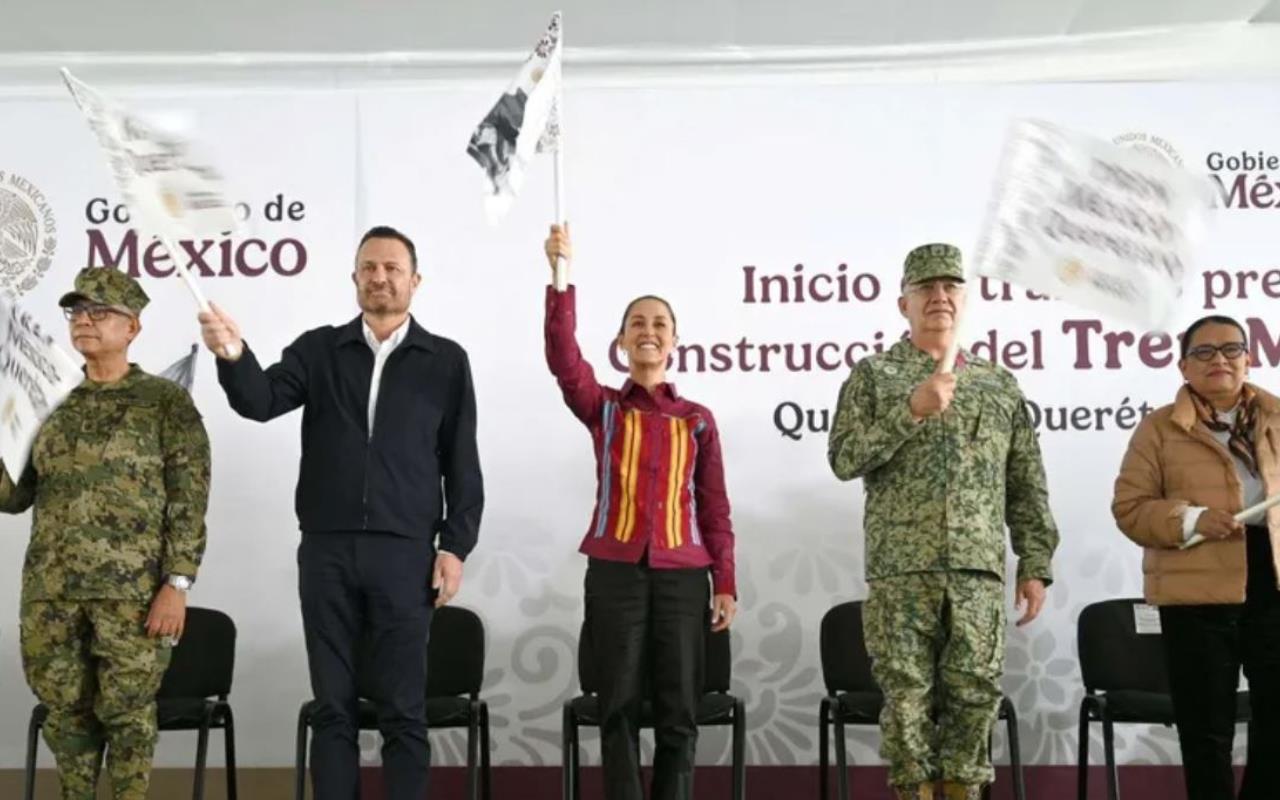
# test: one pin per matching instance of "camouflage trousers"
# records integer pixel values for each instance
(936, 640)
(92, 664)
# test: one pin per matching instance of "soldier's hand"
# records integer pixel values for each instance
(933, 395)
(220, 333)
(168, 614)
(446, 576)
(558, 245)
(1030, 593)
(1215, 524)
(723, 609)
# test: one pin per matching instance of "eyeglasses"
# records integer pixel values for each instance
(949, 288)
(95, 311)
(1230, 351)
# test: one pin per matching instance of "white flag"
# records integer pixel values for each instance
(172, 193)
(183, 371)
(35, 377)
(523, 122)
(1111, 229)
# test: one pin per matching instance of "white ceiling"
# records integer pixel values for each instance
(248, 44)
(365, 26)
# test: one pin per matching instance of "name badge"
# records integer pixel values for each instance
(1146, 619)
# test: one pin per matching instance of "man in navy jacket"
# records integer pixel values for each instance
(389, 462)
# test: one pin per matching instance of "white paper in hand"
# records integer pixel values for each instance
(1108, 228)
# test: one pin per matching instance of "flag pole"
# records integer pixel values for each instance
(561, 275)
(230, 352)
(948, 363)
(561, 278)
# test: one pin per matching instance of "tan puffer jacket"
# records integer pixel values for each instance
(1172, 462)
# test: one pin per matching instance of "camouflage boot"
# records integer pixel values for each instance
(923, 791)
(961, 791)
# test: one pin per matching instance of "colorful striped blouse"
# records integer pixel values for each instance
(659, 472)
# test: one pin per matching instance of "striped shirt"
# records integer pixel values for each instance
(660, 477)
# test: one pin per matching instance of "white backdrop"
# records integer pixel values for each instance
(673, 189)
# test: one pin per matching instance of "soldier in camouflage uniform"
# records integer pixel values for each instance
(947, 460)
(119, 478)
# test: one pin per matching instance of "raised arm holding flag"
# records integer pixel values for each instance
(660, 546)
(390, 467)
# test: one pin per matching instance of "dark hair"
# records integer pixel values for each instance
(1212, 319)
(388, 232)
(623, 326)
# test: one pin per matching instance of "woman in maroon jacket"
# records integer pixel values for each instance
(660, 525)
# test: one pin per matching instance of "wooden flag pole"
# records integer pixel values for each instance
(561, 275)
(229, 352)
(948, 363)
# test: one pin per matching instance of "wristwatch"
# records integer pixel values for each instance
(180, 582)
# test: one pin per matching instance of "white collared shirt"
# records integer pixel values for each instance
(381, 351)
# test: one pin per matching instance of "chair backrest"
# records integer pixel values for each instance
(1113, 655)
(455, 652)
(846, 665)
(205, 658)
(718, 665)
(455, 655)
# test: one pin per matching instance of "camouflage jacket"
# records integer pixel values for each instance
(119, 477)
(940, 492)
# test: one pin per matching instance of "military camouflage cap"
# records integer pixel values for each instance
(107, 286)
(929, 261)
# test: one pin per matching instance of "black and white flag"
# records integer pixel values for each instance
(525, 121)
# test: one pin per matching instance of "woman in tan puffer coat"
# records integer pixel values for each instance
(1189, 468)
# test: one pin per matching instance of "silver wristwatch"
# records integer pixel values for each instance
(180, 582)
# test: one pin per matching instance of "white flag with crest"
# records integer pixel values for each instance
(1110, 229)
(172, 192)
(36, 375)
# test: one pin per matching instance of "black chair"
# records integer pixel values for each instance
(192, 696)
(1125, 680)
(455, 671)
(853, 698)
(717, 707)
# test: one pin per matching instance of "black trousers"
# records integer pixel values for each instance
(366, 610)
(648, 632)
(1205, 647)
